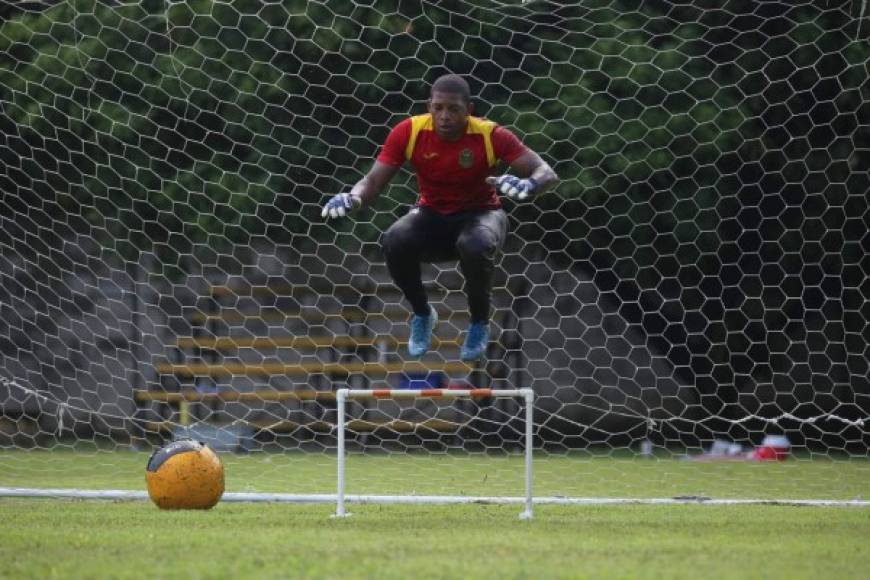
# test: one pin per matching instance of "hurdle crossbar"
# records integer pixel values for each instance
(342, 396)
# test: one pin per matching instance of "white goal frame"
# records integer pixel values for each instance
(343, 395)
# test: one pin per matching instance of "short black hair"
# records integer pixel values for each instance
(453, 84)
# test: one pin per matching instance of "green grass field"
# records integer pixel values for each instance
(125, 539)
(88, 539)
(555, 475)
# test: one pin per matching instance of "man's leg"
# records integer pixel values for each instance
(411, 240)
(415, 238)
(478, 245)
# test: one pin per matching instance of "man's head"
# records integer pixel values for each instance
(450, 105)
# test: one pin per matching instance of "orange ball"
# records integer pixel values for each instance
(185, 474)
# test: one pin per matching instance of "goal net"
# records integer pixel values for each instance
(689, 306)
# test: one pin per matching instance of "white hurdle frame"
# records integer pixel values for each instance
(342, 395)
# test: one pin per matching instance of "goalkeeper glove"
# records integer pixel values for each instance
(514, 187)
(340, 205)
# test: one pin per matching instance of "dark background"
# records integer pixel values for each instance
(714, 160)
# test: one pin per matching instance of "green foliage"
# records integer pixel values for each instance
(228, 117)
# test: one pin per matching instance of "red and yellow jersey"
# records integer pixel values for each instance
(452, 174)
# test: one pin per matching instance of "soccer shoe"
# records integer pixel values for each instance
(421, 333)
(475, 341)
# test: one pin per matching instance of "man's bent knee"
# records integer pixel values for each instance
(481, 246)
(397, 240)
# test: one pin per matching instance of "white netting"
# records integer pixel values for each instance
(699, 276)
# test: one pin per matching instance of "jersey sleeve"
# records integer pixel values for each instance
(506, 145)
(393, 151)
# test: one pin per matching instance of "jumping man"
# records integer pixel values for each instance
(458, 214)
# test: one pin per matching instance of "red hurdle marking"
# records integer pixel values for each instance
(432, 393)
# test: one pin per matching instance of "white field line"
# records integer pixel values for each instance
(117, 494)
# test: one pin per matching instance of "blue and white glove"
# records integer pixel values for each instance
(340, 205)
(514, 187)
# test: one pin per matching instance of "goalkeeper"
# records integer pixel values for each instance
(458, 214)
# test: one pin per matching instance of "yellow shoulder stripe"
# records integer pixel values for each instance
(476, 125)
(418, 123)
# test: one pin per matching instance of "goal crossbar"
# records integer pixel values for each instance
(343, 395)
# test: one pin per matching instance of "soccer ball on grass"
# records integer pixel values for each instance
(185, 474)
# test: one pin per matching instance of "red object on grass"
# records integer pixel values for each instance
(773, 448)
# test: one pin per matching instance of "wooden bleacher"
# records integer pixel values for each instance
(274, 316)
(218, 352)
(370, 369)
(358, 425)
(301, 342)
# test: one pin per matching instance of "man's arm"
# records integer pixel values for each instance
(537, 174)
(531, 166)
(363, 193)
(370, 187)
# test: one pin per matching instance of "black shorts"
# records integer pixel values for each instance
(434, 237)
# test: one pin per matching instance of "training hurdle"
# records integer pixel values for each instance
(342, 396)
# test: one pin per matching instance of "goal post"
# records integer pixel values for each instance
(342, 396)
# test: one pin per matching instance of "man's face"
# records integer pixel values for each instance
(449, 114)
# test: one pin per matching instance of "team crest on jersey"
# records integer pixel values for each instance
(466, 158)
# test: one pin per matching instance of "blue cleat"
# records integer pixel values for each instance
(421, 333)
(475, 341)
